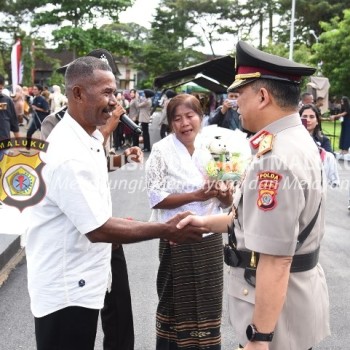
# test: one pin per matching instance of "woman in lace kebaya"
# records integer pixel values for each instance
(190, 277)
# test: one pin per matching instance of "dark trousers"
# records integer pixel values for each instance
(145, 134)
(72, 328)
(164, 130)
(118, 136)
(116, 315)
(35, 124)
(135, 137)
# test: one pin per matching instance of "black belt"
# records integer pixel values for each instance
(300, 263)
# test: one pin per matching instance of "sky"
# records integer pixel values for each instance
(141, 13)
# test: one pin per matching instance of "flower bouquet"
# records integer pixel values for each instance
(230, 153)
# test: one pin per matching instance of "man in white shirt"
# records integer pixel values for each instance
(68, 243)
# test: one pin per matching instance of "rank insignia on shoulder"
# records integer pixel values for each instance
(265, 144)
(268, 185)
(256, 139)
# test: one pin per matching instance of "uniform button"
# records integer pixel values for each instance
(245, 291)
(81, 283)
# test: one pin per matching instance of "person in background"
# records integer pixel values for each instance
(145, 107)
(311, 116)
(134, 114)
(344, 139)
(74, 220)
(40, 108)
(190, 277)
(119, 132)
(57, 99)
(310, 113)
(334, 105)
(226, 115)
(278, 297)
(319, 104)
(18, 100)
(163, 123)
(27, 103)
(46, 93)
(306, 98)
(8, 117)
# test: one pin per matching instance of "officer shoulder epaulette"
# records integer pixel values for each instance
(263, 140)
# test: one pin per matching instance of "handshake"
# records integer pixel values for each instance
(186, 228)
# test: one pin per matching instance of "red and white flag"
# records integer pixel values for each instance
(16, 64)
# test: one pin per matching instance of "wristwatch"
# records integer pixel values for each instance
(254, 335)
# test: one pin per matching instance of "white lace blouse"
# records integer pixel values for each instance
(171, 169)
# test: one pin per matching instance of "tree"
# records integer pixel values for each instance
(167, 47)
(333, 51)
(79, 15)
(212, 17)
(309, 14)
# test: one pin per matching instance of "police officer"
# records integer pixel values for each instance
(278, 296)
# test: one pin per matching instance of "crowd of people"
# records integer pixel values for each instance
(76, 264)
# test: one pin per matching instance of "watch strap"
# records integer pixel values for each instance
(254, 335)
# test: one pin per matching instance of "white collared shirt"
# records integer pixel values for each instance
(64, 267)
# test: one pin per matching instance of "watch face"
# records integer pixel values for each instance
(254, 335)
(250, 332)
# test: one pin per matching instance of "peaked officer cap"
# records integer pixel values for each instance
(253, 64)
(102, 54)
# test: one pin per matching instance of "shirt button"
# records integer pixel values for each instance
(245, 291)
(81, 283)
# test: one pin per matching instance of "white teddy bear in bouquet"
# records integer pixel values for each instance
(230, 152)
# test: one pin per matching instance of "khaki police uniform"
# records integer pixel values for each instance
(276, 200)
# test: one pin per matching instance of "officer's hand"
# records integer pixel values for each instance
(188, 234)
(193, 220)
(133, 155)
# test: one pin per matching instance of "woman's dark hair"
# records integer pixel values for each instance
(345, 107)
(187, 100)
(318, 128)
(39, 87)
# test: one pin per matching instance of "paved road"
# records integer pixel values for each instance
(16, 324)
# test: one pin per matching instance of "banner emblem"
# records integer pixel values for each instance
(21, 182)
